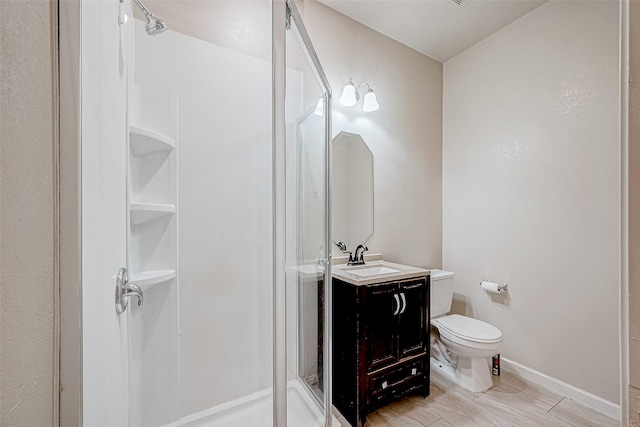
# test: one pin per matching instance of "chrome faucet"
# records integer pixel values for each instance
(358, 257)
(343, 249)
(354, 259)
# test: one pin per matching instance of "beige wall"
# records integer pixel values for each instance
(531, 184)
(634, 213)
(237, 25)
(634, 406)
(404, 135)
(27, 262)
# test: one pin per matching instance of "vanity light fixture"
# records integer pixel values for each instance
(370, 101)
(350, 96)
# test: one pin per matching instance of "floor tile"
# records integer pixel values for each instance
(375, 420)
(580, 415)
(508, 382)
(393, 418)
(415, 408)
(459, 411)
(445, 383)
(517, 410)
(512, 401)
(441, 423)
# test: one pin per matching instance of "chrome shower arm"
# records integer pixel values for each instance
(142, 8)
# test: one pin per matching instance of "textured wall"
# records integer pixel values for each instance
(634, 213)
(26, 214)
(404, 135)
(634, 406)
(531, 184)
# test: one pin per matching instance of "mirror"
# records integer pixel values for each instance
(352, 190)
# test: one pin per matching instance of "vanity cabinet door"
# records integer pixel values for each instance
(381, 318)
(413, 317)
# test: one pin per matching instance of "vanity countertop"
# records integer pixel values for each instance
(339, 271)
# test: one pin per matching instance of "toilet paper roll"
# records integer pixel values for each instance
(492, 287)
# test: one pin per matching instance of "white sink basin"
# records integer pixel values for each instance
(371, 271)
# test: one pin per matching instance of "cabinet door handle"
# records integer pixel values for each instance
(397, 304)
(404, 303)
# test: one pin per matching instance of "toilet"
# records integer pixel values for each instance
(462, 345)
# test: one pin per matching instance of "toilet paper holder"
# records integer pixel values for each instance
(502, 287)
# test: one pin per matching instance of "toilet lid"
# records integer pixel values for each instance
(469, 328)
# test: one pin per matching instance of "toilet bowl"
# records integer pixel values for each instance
(469, 343)
(462, 345)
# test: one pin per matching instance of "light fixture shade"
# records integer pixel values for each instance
(370, 102)
(349, 96)
(319, 108)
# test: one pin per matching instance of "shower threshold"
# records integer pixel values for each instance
(255, 410)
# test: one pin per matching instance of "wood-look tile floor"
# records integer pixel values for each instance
(511, 401)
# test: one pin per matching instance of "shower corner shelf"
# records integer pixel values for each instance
(143, 212)
(145, 279)
(145, 141)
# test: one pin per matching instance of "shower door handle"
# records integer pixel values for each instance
(124, 290)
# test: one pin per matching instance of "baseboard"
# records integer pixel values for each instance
(583, 397)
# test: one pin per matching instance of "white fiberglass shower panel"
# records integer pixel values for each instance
(224, 189)
(153, 256)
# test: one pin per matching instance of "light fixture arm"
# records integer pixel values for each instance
(358, 88)
(362, 84)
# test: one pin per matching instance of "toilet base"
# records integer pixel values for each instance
(472, 374)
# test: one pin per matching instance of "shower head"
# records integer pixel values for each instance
(154, 24)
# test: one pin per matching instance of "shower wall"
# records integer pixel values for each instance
(224, 213)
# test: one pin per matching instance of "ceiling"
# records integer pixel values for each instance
(440, 29)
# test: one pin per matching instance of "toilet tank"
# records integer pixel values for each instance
(441, 292)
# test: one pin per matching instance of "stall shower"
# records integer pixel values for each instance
(190, 167)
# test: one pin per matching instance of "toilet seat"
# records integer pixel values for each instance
(467, 330)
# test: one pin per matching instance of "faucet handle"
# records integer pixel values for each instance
(364, 249)
(341, 246)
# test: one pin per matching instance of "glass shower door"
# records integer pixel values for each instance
(307, 113)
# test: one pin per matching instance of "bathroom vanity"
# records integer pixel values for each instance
(380, 336)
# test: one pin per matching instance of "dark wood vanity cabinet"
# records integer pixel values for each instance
(380, 344)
